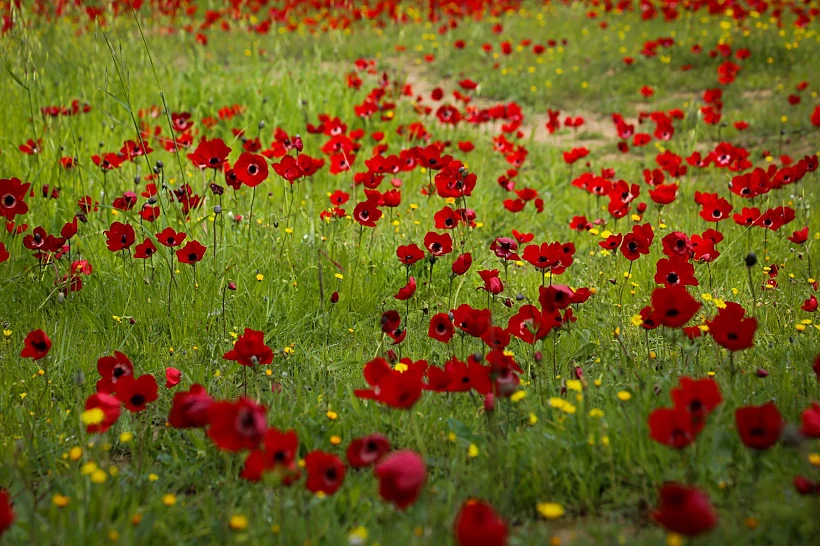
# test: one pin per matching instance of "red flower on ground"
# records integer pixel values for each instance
(249, 349)
(238, 425)
(731, 330)
(191, 253)
(137, 393)
(36, 345)
(6, 512)
(759, 426)
(210, 154)
(477, 524)
(367, 451)
(277, 453)
(684, 510)
(401, 476)
(111, 370)
(326, 472)
(108, 405)
(190, 409)
(251, 169)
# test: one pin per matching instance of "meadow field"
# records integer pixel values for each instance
(477, 272)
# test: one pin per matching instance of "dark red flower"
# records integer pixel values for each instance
(673, 427)
(406, 292)
(251, 169)
(238, 425)
(6, 512)
(191, 253)
(136, 393)
(12, 198)
(441, 328)
(120, 236)
(210, 154)
(438, 244)
(759, 426)
(409, 254)
(367, 213)
(471, 321)
(326, 472)
(190, 409)
(673, 306)
(401, 476)
(477, 524)
(697, 396)
(172, 377)
(249, 349)
(170, 237)
(462, 264)
(111, 370)
(277, 454)
(675, 271)
(731, 330)
(110, 408)
(367, 451)
(145, 249)
(810, 418)
(684, 510)
(36, 345)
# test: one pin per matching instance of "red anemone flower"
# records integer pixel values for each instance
(170, 237)
(190, 409)
(673, 306)
(438, 244)
(12, 198)
(210, 154)
(120, 236)
(673, 427)
(326, 472)
(276, 454)
(409, 254)
(238, 425)
(110, 408)
(401, 476)
(249, 349)
(477, 524)
(191, 253)
(36, 345)
(684, 510)
(367, 451)
(731, 330)
(759, 426)
(137, 393)
(111, 370)
(251, 169)
(697, 396)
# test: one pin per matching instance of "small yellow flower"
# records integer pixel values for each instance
(596, 413)
(332, 415)
(260, 277)
(113, 535)
(574, 385)
(357, 537)
(152, 477)
(550, 510)
(75, 453)
(275, 529)
(814, 458)
(335, 440)
(93, 416)
(238, 523)
(674, 539)
(472, 451)
(169, 500)
(451, 437)
(99, 476)
(518, 396)
(624, 396)
(60, 501)
(88, 468)
(401, 367)
(6, 333)
(126, 437)
(532, 419)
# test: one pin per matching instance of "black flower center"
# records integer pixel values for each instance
(192, 257)
(9, 200)
(137, 400)
(672, 278)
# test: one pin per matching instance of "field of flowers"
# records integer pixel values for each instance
(474, 272)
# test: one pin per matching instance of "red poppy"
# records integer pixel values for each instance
(110, 408)
(713, 207)
(190, 409)
(136, 393)
(759, 426)
(664, 194)
(731, 330)
(288, 168)
(697, 396)
(406, 292)
(462, 264)
(471, 321)
(111, 370)
(4, 254)
(799, 237)
(277, 453)
(675, 271)
(401, 476)
(251, 169)
(36, 345)
(673, 427)
(673, 306)
(238, 425)
(810, 305)
(441, 328)
(191, 253)
(249, 349)
(637, 242)
(367, 213)
(409, 254)
(210, 154)
(492, 283)
(172, 377)
(684, 510)
(810, 419)
(438, 244)
(6, 511)
(145, 249)
(367, 451)
(530, 325)
(326, 472)
(397, 389)
(12, 198)
(120, 236)
(170, 237)
(477, 524)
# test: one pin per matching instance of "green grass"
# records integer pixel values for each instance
(604, 471)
